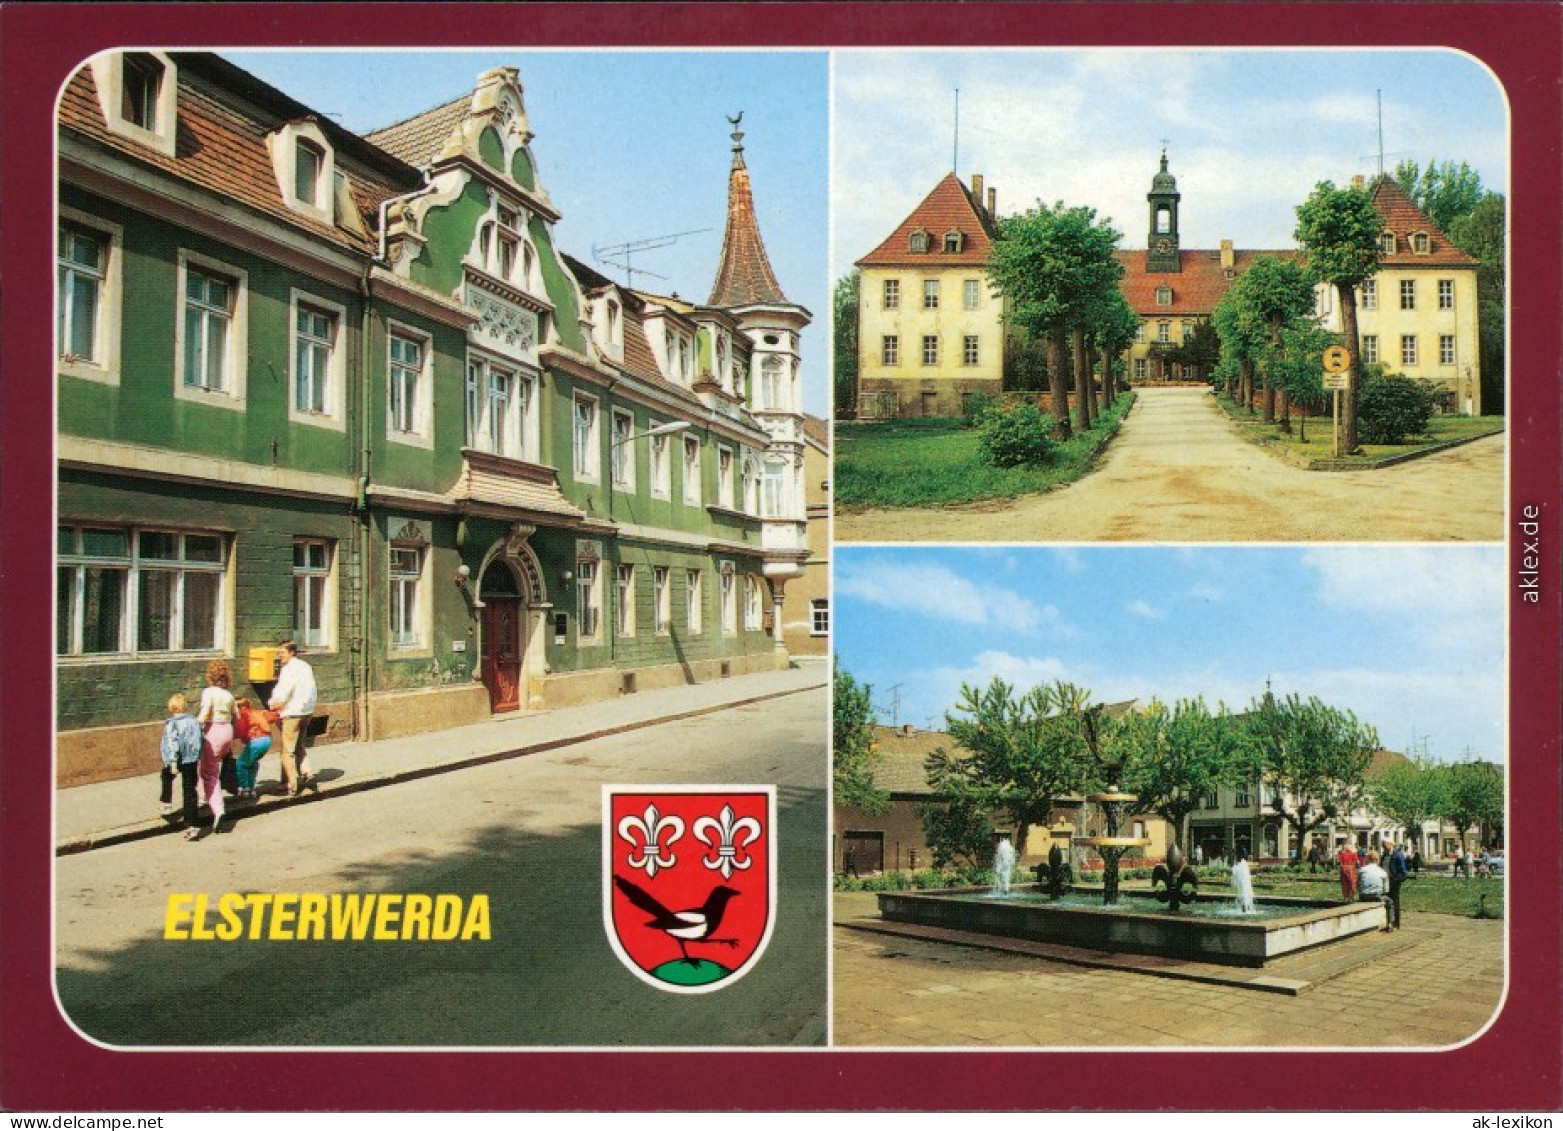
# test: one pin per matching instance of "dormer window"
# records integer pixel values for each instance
(1163, 296)
(954, 243)
(137, 92)
(1386, 243)
(503, 251)
(919, 241)
(305, 167)
(308, 163)
(1419, 243)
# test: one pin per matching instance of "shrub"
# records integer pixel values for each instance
(1018, 435)
(974, 406)
(1390, 409)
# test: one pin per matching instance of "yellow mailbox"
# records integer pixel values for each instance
(265, 663)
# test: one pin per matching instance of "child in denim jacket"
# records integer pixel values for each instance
(181, 749)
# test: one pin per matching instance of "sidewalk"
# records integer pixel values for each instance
(94, 816)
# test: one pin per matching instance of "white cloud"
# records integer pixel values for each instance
(927, 589)
(1144, 609)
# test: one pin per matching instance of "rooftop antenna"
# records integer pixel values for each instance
(1379, 93)
(895, 704)
(955, 159)
(622, 255)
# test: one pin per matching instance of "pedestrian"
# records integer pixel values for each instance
(216, 719)
(1347, 859)
(1416, 859)
(1396, 867)
(293, 698)
(252, 738)
(1374, 885)
(1313, 856)
(181, 750)
(1483, 863)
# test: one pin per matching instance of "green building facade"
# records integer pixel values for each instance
(346, 391)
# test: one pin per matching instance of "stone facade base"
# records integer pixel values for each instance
(571, 689)
(109, 753)
(396, 714)
(882, 399)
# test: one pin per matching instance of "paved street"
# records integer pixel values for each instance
(1179, 472)
(906, 992)
(524, 830)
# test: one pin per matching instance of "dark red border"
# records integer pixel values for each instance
(45, 1066)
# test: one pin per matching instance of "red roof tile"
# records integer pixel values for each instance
(417, 139)
(1402, 217)
(743, 275)
(949, 207)
(1195, 290)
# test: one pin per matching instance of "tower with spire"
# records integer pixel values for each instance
(747, 289)
(1161, 241)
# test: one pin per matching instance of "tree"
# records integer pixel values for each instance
(959, 833)
(1241, 339)
(1114, 329)
(852, 745)
(1273, 293)
(1408, 793)
(1339, 230)
(1472, 796)
(1298, 366)
(1480, 233)
(1174, 756)
(1443, 190)
(1017, 754)
(1200, 351)
(1309, 756)
(1053, 266)
(845, 302)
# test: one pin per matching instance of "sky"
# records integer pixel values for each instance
(1409, 638)
(631, 146)
(1248, 132)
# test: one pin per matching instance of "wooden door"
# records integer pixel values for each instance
(502, 652)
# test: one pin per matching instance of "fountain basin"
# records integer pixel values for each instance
(1284, 925)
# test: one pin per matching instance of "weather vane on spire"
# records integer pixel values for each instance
(738, 134)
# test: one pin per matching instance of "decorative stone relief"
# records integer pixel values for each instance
(502, 324)
(411, 531)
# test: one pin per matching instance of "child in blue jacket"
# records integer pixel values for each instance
(181, 750)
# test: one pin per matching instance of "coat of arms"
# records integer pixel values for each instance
(689, 881)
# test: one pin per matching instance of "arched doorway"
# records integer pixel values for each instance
(503, 628)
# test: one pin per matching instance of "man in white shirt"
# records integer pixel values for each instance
(1373, 886)
(294, 699)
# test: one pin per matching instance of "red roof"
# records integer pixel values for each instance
(1402, 217)
(744, 275)
(1195, 290)
(222, 150)
(949, 207)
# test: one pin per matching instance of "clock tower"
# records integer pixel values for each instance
(1161, 245)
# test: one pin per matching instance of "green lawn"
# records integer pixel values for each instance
(1438, 895)
(1321, 442)
(918, 463)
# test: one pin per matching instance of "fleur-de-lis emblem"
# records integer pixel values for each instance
(729, 849)
(652, 827)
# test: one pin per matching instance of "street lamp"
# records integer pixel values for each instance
(659, 430)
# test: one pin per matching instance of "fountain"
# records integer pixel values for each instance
(1244, 884)
(1003, 868)
(1055, 875)
(1178, 885)
(1114, 803)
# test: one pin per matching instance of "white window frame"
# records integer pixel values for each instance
(621, 451)
(1164, 331)
(237, 360)
(892, 294)
(754, 604)
(104, 365)
(1370, 349)
(133, 567)
(971, 351)
(586, 438)
(751, 488)
(662, 599)
(1408, 349)
(1408, 294)
(1446, 349)
(284, 144)
(692, 487)
(1164, 296)
(694, 602)
(404, 585)
(819, 616)
(314, 590)
(517, 437)
(930, 294)
(421, 434)
(334, 414)
(773, 489)
(1445, 294)
(661, 466)
(890, 349)
(930, 349)
(971, 294)
(727, 598)
(1139, 369)
(1421, 244)
(1369, 294)
(108, 75)
(1139, 333)
(725, 467)
(1386, 244)
(624, 600)
(588, 601)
